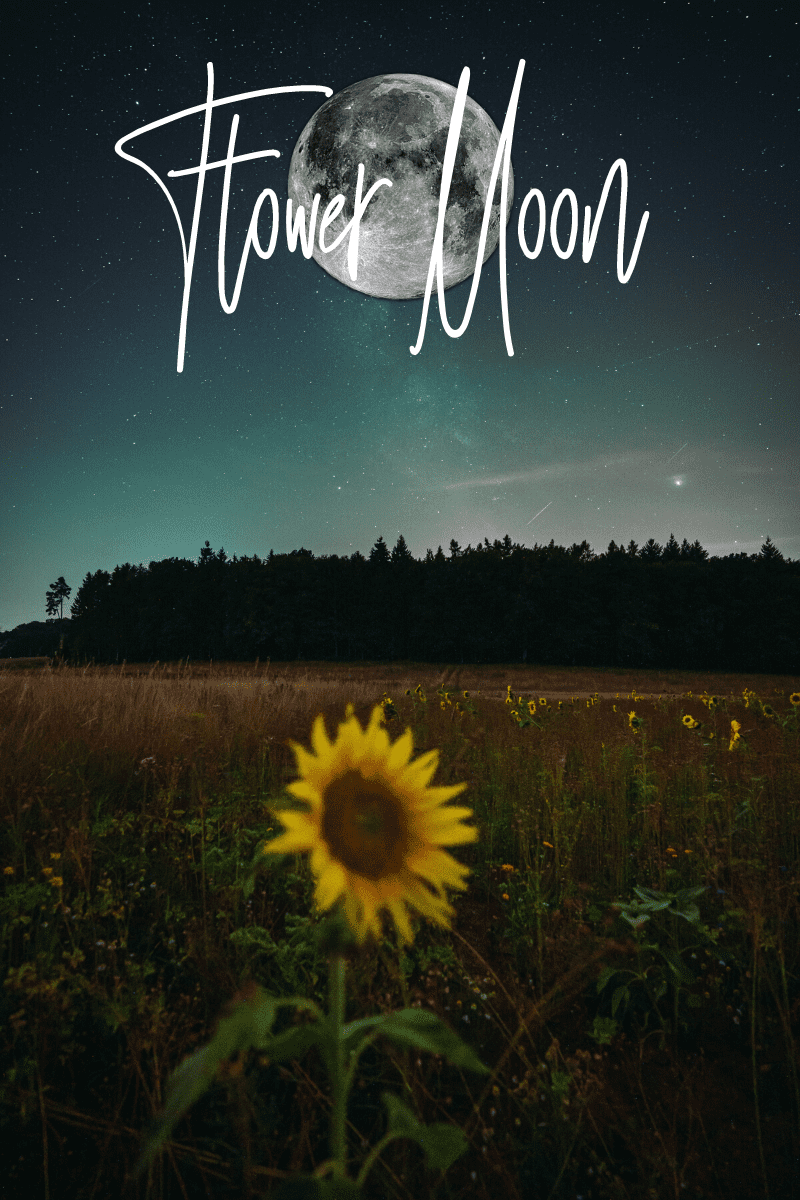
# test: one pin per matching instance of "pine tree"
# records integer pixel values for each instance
(59, 592)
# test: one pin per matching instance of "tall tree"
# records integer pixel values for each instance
(59, 592)
(380, 552)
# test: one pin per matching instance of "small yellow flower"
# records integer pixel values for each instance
(690, 722)
(550, 844)
(507, 867)
(531, 707)
(543, 701)
(505, 895)
(631, 716)
(8, 870)
(55, 854)
(794, 698)
(375, 829)
(56, 881)
(47, 871)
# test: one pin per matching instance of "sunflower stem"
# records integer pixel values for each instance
(338, 1135)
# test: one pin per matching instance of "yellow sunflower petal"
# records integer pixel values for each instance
(304, 791)
(400, 916)
(286, 843)
(330, 885)
(400, 752)
(319, 738)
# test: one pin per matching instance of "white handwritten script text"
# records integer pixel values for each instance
(296, 222)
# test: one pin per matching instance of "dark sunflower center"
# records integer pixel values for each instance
(365, 825)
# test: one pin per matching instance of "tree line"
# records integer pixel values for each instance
(632, 606)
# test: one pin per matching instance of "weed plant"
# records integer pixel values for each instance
(625, 958)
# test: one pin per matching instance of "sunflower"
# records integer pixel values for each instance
(375, 828)
(690, 722)
(794, 698)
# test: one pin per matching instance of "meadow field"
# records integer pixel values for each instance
(640, 1044)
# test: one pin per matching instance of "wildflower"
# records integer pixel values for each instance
(505, 895)
(690, 722)
(375, 828)
(631, 717)
(543, 701)
(507, 867)
(55, 854)
(47, 871)
(531, 707)
(8, 870)
(735, 727)
(56, 881)
(794, 698)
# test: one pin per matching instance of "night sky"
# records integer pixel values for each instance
(669, 403)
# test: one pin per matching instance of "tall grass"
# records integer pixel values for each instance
(630, 1058)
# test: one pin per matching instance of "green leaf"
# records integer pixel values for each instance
(442, 1143)
(331, 1188)
(294, 1042)
(248, 1025)
(676, 965)
(621, 993)
(606, 975)
(425, 1031)
(354, 1033)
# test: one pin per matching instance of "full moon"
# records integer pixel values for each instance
(397, 126)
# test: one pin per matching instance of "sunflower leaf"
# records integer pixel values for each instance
(293, 1043)
(248, 1024)
(425, 1031)
(442, 1143)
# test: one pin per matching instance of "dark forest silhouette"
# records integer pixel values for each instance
(648, 606)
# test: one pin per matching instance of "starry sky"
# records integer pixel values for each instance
(669, 403)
